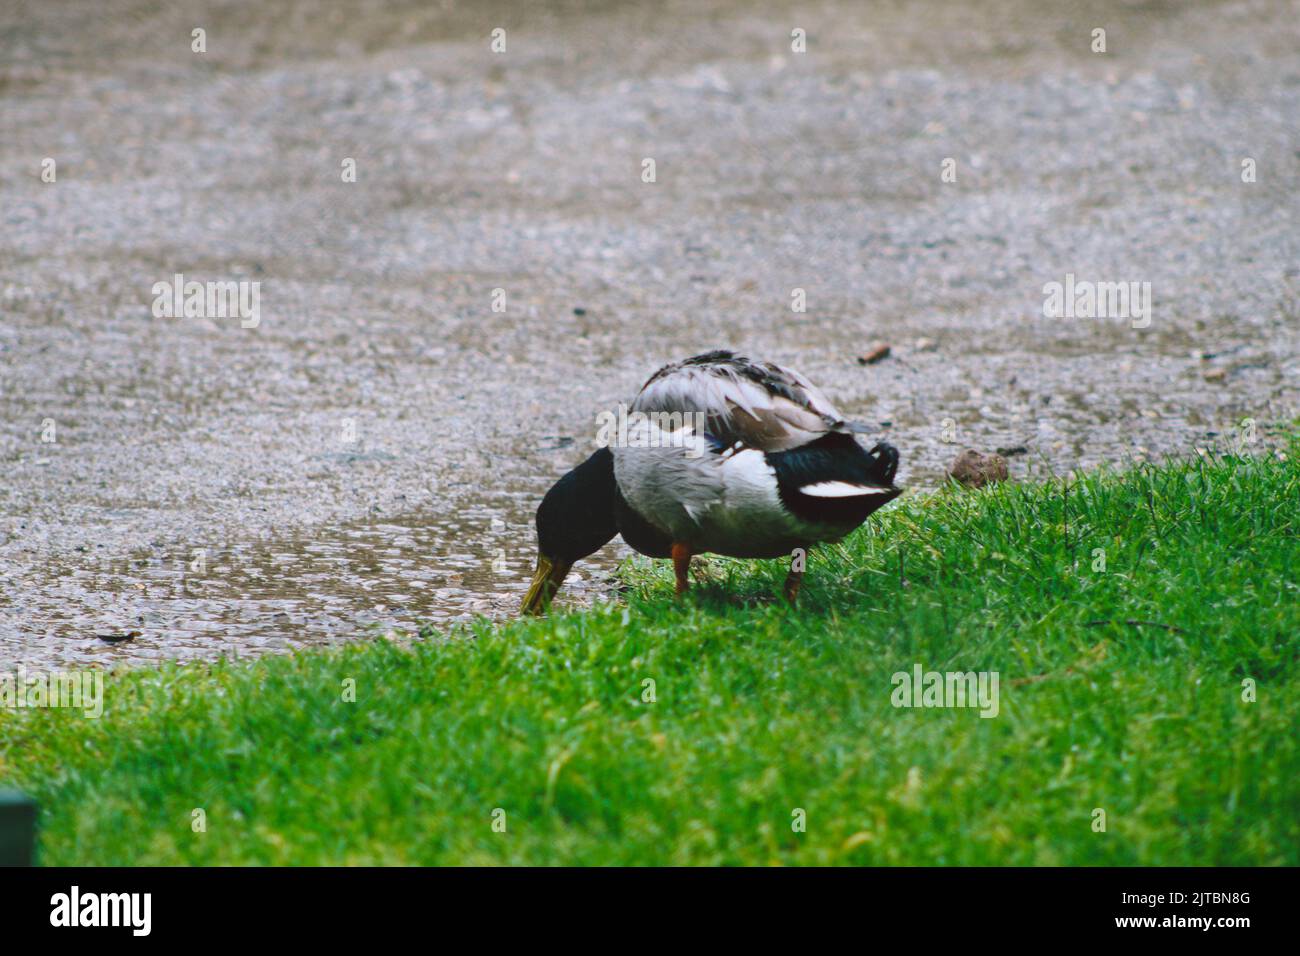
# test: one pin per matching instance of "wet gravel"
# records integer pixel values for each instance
(369, 454)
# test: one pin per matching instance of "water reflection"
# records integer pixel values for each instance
(365, 578)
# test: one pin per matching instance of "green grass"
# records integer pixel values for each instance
(761, 710)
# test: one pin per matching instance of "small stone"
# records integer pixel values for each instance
(1215, 374)
(874, 354)
(1009, 450)
(927, 345)
(975, 470)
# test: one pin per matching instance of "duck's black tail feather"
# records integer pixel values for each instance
(817, 481)
(884, 458)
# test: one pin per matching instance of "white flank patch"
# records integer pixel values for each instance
(839, 489)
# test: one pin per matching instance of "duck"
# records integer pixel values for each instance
(717, 454)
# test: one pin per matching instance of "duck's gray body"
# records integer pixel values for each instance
(746, 459)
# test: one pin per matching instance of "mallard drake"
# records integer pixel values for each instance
(718, 454)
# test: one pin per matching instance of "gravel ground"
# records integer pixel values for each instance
(204, 487)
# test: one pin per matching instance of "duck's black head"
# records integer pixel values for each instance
(576, 518)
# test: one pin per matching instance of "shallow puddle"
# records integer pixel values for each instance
(361, 580)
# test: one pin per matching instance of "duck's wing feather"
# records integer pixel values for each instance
(756, 404)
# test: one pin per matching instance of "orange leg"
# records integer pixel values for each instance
(682, 566)
(792, 582)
